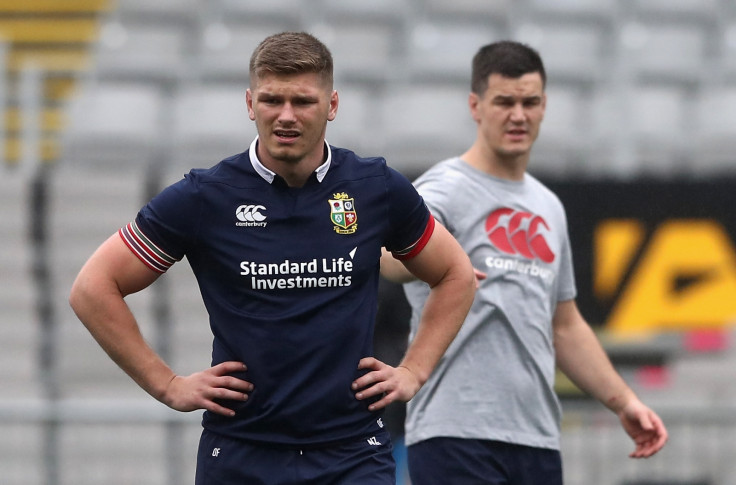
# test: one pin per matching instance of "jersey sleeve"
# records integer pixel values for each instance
(165, 228)
(437, 194)
(411, 224)
(567, 289)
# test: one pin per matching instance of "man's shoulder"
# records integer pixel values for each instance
(349, 164)
(345, 156)
(542, 190)
(233, 170)
(448, 172)
(537, 184)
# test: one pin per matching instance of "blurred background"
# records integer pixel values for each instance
(104, 103)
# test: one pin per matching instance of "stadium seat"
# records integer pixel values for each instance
(112, 123)
(18, 319)
(727, 50)
(573, 52)
(562, 149)
(571, 10)
(280, 9)
(22, 452)
(443, 52)
(54, 37)
(715, 143)
(488, 10)
(88, 204)
(339, 11)
(706, 10)
(210, 123)
(139, 450)
(658, 117)
(423, 124)
(162, 11)
(191, 337)
(363, 51)
(225, 49)
(137, 52)
(356, 127)
(664, 52)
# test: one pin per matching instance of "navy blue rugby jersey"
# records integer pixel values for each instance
(289, 277)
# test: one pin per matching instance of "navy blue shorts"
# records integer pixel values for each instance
(225, 461)
(442, 461)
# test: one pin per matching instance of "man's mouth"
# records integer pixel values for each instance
(516, 134)
(288, 134)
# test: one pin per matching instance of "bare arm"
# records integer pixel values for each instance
(581, 357)
(394, 270)
(97, 297)
(446, 268)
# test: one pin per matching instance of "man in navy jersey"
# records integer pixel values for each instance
(285, 241)
(489, 413)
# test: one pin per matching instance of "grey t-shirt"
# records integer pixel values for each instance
(496, 381)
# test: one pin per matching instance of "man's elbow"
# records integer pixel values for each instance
(469, 277)
(86, 292)
(79, 295)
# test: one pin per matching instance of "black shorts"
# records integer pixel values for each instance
(443, 461)
(225, 461)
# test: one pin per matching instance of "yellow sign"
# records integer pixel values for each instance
(685, 276)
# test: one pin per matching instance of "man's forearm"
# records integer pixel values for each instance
(583, 360)
(443, 315)
(111, 323)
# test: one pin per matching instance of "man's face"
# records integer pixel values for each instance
(291, 114)
(509, 114)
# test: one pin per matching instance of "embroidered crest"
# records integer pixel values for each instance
(342, 213)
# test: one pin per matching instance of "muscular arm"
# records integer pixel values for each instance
(446, 268)
(98, 299)
(394, 270)
(581, 357)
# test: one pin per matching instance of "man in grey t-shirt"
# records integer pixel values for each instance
(489, 412)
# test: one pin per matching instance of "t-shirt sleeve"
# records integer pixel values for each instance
(567, 289)
(410, 222)
(437, 194)
(165, 229)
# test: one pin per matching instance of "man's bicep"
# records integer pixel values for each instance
(437, 257)
(116, 263)
(394, 270)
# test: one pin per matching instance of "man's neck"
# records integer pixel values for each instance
(511, 168)
(295, 173)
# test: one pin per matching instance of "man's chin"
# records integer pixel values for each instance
(515, 152)
(287, 156)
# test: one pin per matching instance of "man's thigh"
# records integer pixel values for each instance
(482, 462)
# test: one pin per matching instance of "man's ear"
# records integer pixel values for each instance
(249, 104)
(334, 102)
(473, 102)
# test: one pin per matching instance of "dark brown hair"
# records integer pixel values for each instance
(508, 58)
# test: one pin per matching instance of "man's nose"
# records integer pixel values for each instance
(517, 112)
(287, 113)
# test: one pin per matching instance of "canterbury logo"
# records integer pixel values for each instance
(250, 213)
(517, 232)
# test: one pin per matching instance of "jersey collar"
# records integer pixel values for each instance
(268, 175)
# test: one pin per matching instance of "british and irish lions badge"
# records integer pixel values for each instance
(342, 213)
